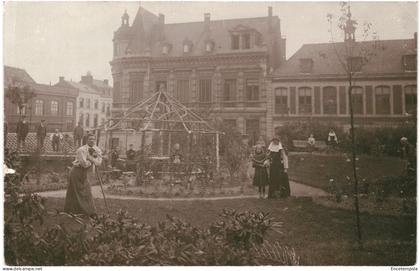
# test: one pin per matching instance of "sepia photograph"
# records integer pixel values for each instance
(209, 133)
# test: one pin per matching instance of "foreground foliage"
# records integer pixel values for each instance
(236, 239)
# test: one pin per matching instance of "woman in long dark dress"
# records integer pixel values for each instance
(278, 179)
(79, 198)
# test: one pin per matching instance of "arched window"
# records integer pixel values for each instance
(280, 101)
(329, 98)
(39, 107)
(54, 108)
(357, 98)
(382, 103)
(305, 100)
(410, 97)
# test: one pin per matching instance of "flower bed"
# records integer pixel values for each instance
(45, 182)
(161, 189)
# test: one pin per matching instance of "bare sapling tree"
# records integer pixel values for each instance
(353, 56)
(20, 96)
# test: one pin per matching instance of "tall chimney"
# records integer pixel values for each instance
(161, 19)
(161, 27)
(269, 19)
(87, 79)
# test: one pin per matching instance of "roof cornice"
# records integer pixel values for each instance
(342, 77)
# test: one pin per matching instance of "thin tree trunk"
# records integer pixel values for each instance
(353, 150)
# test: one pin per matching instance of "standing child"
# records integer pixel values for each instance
(260, 174)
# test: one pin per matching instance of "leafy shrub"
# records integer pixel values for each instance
(237, 239)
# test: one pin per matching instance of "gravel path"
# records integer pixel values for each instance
(297, 190)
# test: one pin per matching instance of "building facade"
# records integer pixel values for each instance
(313, 85)
(55, 104)
(216, 67)
(94, 100)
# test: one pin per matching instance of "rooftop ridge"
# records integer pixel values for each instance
(221, 20)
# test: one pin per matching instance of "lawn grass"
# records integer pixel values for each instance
(316, 170)
(320, 235)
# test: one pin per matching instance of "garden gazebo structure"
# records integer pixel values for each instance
(155, 120)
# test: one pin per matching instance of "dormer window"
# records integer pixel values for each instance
(166, 48)
(209, 46)
(409, 62)
(244, 37)
(187, 47)
(355, 64)
(306, 65)
(235, 42)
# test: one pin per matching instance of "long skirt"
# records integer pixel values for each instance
(278, 183)
(79, 198)
(260, 177)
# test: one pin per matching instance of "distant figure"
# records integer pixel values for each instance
(408, 153)
(131, 158)
(85, 138)
(55, 140)
(22, 131)
(79, 198)
(332, 138)
(114, 156)
(260, 172)
(78, 135)
(311, 143)
(41, 133)
(176, 155)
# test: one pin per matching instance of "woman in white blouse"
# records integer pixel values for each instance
(79, 198)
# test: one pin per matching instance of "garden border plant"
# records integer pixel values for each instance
(237, 239)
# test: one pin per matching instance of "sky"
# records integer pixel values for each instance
(52, 39)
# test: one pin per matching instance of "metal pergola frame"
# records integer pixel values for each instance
(161, 113)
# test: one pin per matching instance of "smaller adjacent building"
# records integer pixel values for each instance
(94, 100)
(313, 85)
(55, 104)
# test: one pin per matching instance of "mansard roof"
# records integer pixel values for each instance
(383, 58)
(147, 36)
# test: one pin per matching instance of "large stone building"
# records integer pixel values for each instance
(236, 70)
(213, 66)
(313, 84)
(94, 100)
(54, 104)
